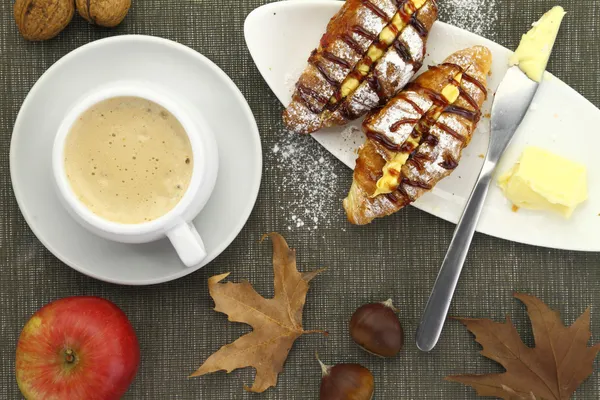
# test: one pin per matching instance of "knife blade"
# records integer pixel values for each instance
(512, 100)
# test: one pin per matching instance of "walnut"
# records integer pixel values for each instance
(43, 19)
(108, 13)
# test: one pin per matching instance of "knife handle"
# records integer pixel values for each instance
(439, 301)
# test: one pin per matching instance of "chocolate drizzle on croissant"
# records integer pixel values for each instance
(370, 51)
(417, 138)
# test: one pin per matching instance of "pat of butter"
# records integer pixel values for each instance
(536, 45)
(545, 181)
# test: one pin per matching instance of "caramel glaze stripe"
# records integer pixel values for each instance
(376, 10)
(424, 123)
(422, 130)
(449, 64)
(404, 53)
(430, 139)
(475, 82)
(417, 160)
(329, 79)
(472, 116)
(436, 98)
(393, 197)
(382, 140)
(450, 131)
(414, 105)
(336, 60)
(418, 26)
(449, 162)
(403, 14)
(468, 98)
(419, 184)
(396, 125)
(466, 77)
(400, 47)
(353, 44)
(439, 102)
(314, 60)
(305, 93)
(364, 33)
(375, 85)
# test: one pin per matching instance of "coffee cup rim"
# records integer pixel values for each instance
(129, 89)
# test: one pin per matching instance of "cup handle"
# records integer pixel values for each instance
(188, 244)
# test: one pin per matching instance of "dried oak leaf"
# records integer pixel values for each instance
(553, 369)
(277, 322)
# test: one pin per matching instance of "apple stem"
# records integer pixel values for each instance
(69, 356)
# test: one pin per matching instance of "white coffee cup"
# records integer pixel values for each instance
(175, 224)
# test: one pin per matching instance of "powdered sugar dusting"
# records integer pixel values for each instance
(345, 52)
(391, 66)
(370, 21)
(307, 174)
(389, 7)
(477, 16)
(290, 79)
(350, 131)
(414, 42)
(398, 110)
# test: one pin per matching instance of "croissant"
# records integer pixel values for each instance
(417, 138)
(370, 51)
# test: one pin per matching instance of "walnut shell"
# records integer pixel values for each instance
(43, 19)
(108, 13)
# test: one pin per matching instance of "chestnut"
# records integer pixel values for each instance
(376, 328)
(346, 382)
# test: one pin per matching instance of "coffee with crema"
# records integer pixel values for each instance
(128, 159)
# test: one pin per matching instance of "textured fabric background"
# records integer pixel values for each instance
(397, 257)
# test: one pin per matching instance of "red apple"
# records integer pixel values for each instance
(77, 348)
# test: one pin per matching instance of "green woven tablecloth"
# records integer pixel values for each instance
(396, 257)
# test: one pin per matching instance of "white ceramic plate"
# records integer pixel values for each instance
(186, 75)
(280, 37)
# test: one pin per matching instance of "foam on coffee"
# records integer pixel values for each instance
(128, 159)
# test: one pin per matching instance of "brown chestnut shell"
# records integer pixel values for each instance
(376, 328)
(346, 382)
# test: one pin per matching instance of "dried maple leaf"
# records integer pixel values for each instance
(277, 322)
(553, 369)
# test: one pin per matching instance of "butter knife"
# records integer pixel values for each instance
(514, 95)
(512, 100)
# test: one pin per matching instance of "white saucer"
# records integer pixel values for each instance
(187, 75)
